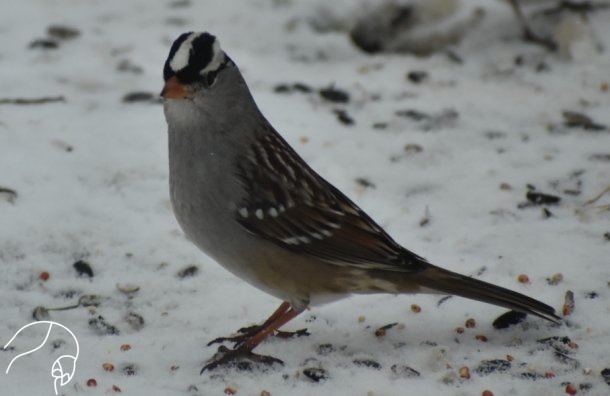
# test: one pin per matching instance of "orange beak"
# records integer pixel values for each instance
(173, 89)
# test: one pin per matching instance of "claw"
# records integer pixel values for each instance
(246, 332)
(231, 357)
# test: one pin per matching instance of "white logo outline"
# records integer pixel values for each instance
(56, 370)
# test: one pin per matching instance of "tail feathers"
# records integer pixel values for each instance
(448, 282)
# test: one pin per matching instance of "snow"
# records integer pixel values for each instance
(91, 177)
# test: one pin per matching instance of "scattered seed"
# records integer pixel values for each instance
(115, 388)
(403, 371)
(470, 323)
(493, 366)
(425, 220)
(139, 96)
(603, 87)
(591, 295)
(417, 76)
(344, 117)
(510, 358)
(555, 279)
(480, 337)
(333, 94)
(413, 148)
(505, 187)
(129, 369)
(523, 278)
(380, 332)
(367, 363)
(102, 327)
(605, 373)
(229, 390)
(568, 305)
(315, 374)
(40, 313)
(44, 276)
(459, 330)
(295, 87)
(538, 198)
(44, 43)
(126, 66)
(571, 389)
(574, 119)
(91, 382)
(265, 393)
(108, 366)
(136, 321)
(325, 349)
(487, 392)
(189, 271)
(508, 319)
(361, 318)
(549, 374)
(10, 194)
(83, 268)
(464, 372)
(546, 213)
(62, 32)
(364, 182)
(127, 289)
(415, 308)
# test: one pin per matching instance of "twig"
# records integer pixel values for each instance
(598, 196)
(32, 101)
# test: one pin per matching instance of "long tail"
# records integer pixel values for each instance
(448, 282)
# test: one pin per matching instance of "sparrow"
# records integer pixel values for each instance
(245, 197)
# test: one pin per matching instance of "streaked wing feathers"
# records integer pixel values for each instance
(289, 204)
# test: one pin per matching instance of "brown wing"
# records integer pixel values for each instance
(291, 205)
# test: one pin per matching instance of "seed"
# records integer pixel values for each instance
(522, 278)
(464, 372)
(480, 337)
(487, 392)
(108, 366)
(459, 330)
(44, 276)
(571, 389)
(91, 382)
(415, 308)
(125, 347)
(470, 323)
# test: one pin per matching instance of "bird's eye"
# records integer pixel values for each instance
(209, 78)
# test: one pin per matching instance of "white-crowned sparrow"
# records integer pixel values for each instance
(250, 202)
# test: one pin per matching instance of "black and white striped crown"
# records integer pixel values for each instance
(193, 55)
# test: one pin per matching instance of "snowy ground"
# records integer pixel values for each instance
(90, 173)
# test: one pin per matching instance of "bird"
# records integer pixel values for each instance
(245, 198)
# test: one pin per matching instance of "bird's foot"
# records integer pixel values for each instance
(238, 358)
(246, 333)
